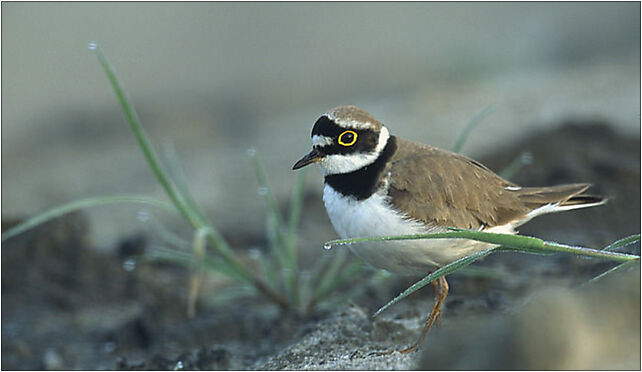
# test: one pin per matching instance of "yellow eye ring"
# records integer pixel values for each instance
(352, 141)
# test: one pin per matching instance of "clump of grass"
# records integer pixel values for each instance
(279, 272)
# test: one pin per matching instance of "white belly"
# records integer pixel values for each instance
(374, 217)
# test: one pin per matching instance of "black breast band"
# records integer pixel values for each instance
(363, 182)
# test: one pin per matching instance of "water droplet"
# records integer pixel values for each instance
(527, 158)
(143, 215)
(251, 152)
(178, 366)
(129, 264)
(263, 191)
(93, 45)
(327, 246)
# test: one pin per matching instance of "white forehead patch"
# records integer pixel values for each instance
(318, 140)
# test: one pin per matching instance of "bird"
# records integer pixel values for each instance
(378, 184)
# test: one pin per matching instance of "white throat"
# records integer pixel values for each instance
(346, 163)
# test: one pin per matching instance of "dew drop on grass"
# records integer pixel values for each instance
(129, 264)
(263, 191)
(327, 246)
(93, 45)
(178, 366)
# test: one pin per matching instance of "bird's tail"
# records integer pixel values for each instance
(542, 200)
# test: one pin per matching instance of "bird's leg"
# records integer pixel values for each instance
(436, 291)
(441, 291)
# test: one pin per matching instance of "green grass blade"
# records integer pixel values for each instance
(510, 242)
(82, 204)
(451, 267)
(622, 242)
(159, 253)
(312, 279)
(143, 140)
(296, 203)
(348, 272)
(463, 136)
(266, 192)
(611, 271)
(295, 210)
(228, 295)
(286, 257)
(268, 269)
(518, 163)
(329, 274)
(166, 235)
(178, 176)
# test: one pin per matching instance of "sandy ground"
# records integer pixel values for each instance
(533, 312)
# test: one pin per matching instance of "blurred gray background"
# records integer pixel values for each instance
(215, 79)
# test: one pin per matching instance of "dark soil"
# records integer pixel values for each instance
(68, 306)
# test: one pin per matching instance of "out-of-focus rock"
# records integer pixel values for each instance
(593, 327)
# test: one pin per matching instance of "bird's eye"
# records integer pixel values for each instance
(347, 138)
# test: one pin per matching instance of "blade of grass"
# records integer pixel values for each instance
(622, 242)
(518, 163)
(311, 278)
(296, 202)
(506, 241)
(174, 194)
(610, 271)
(348, 272)
(329, 274)
(178, 176)
(198, 255)
(160, 253)
(267, 266)
(286, 257)
(451, 267)
(295, 209)
(226, 295)
(82, 204)
(168, 236)
(143, 141)
(266, 192)
(463, 136)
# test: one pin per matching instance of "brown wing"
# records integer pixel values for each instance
(454, 190)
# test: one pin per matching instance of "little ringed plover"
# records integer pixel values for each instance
(377, 184)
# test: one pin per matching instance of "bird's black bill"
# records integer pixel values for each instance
(312, 157)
